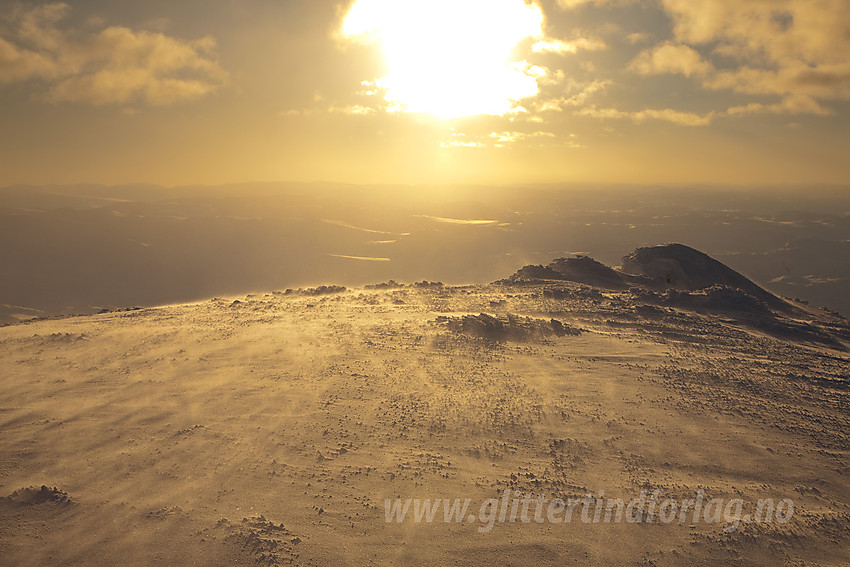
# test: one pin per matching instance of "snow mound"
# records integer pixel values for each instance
(680, 267)
(579, 269)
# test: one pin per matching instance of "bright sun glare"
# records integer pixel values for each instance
(449, 58)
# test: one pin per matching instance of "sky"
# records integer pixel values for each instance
(425, 91)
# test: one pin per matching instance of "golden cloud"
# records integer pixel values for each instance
(116, 65)
(799, 104)
(664, 114)
(574, 46)
(796, 49)
(671, 58)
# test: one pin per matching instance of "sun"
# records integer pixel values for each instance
(449, 58)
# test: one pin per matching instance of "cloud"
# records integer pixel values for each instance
(561, 47)
(354, 110)
(674, 116)
(570, 4)
(799, 104)
(36, 25)
(825, 81)
(666, 115)
(637, 37)
(116, 65)
(369, 100)
(579, 93)
(502, 138)
(798, 50)
(18, 64)
(460, 140)
(671, 58)
(460, 144)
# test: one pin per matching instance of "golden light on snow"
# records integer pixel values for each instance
(449, 58)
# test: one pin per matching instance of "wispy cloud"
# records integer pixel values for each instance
(637, 37)
(664, 114)
(578, 94)
(572, 46)
(569, 4)
(460, 144)
(799, 104)
(501, 139)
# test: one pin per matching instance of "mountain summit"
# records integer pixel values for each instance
(667, 267)
(680, 267)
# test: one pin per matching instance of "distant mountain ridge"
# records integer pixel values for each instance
(668, 277)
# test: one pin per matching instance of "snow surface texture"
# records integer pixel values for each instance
(269, 429)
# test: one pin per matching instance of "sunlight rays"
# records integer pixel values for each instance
(449, 58)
